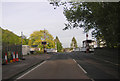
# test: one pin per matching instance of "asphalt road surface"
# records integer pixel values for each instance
(74, 65)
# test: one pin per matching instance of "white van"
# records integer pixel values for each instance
(25, 49)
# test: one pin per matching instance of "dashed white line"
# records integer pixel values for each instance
(92, 79)
(83, 69)
(31, 70)
(80, 67)
(74, 60)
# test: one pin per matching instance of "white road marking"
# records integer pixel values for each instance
(82, 69)
(92, 79)
(74, 60)
(31, 70)
(80, 66)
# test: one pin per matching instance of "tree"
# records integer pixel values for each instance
(37, 37)
(73, 43)
(58, 44)
(9, 38)
(102, 17)
(24, 40)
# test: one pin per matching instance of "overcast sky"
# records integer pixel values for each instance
(34, 16)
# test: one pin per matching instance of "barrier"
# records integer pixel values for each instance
(14, 53)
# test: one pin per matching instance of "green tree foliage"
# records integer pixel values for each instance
(37, 37)
(58, 44)
(73, 43)
(102, 17)
(10, 38)
(24, 40)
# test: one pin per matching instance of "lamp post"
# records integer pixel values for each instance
(21, 45)
(44, 41)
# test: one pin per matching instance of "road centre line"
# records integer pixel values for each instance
(80, 67)
(31, 70)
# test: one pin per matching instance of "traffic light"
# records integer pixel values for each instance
(44, 43)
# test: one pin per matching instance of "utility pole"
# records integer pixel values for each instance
(44, 41)
(21, 44)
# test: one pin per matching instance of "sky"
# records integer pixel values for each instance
(28, 17)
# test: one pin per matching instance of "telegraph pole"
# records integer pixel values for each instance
(21, 44)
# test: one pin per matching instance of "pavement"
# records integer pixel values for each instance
(13, 69)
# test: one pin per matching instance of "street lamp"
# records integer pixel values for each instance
(21, 46)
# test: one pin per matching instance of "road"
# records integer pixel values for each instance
(75, 66)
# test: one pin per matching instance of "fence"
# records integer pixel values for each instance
(9, 50)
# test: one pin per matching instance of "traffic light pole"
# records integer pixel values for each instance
(44, 40)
